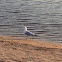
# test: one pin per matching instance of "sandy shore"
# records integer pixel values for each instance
(22, 50)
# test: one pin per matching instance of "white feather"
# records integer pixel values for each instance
(25, 30)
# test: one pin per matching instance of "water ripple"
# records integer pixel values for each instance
(41, 17)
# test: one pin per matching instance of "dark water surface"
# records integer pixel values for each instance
(43, 17)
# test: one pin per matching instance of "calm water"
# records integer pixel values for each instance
(43, 17)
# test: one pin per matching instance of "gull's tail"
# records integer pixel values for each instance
(37, 35)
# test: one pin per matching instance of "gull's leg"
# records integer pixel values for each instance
(26, 37)
(31, 37)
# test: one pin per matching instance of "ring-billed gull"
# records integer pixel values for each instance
(28, 33)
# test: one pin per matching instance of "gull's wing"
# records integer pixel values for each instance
(28, 33)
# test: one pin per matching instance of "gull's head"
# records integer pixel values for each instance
(25, 29)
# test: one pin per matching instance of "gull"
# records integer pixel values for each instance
(28, 33)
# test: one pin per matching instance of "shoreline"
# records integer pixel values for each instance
(22, 50)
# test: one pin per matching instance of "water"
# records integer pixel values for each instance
(43, 17)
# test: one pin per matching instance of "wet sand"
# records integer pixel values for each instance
(13, 49)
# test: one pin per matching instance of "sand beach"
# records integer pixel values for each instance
(26, 50)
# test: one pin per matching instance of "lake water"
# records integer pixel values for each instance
(43, 17)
